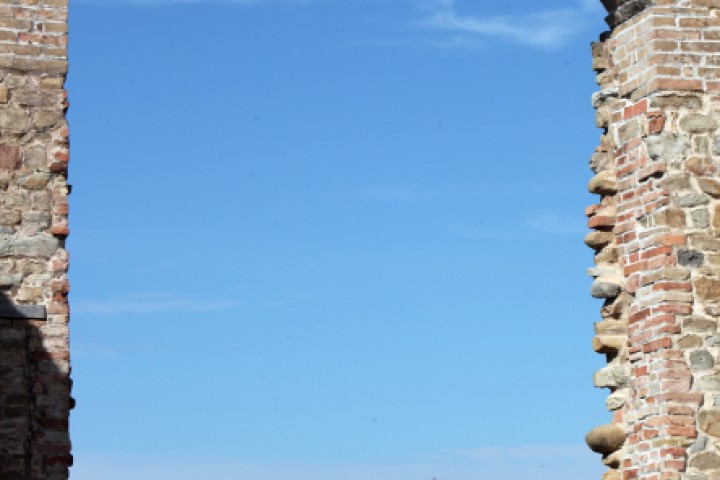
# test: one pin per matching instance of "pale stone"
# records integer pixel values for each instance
(707, 383)
(605, 439)
(707, 288)
(610, 327)
(604, 183)
(598, 240)
(14, 119)
(612, 376)
(698, 123)
(699, 325)
(690, 341)
(709, 422)
(616, 400)
(612, 475)
(705, 461)
(35, 181)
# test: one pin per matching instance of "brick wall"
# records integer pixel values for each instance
(656, 236)
(34, 360)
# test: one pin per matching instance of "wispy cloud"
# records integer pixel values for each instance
(150, 3)
(557, 224)
(479, 231)
(548, 29)
(400, 194)
(540, 462)
(152, 302)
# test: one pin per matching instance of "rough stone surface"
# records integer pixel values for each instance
(35, 396)
(656, 238)
(605, 439)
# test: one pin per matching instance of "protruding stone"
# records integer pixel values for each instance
(605, 439)
(612, 475)
(610, 327)
(612, 376)
(617, 399)
(603, 288)
(598, 240)
(604, 183)
(608, 343)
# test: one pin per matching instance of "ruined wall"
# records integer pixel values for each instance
(34, 361)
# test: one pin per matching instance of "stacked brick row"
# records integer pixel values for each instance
(657, 233)
(34, 361)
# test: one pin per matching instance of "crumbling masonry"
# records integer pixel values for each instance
(34, 360)
(657, 238)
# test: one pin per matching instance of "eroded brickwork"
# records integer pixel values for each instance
(34, 360)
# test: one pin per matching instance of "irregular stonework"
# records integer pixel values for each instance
(34, 358)
(657, 238)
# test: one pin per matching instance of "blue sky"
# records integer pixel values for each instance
(332, 240)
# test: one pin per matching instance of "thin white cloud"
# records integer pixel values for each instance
(150, 3)
(557, 224)
(153, 302)
(539, 462)
(543, 29)
(479, 231)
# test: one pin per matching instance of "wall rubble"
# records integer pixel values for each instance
(34, 361)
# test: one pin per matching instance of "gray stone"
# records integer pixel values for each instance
(691, 200)
(701, 360)
(47, 118)
(14, 119)
(604, 289)
(699, 325)
(9, 310)
(603, 96)
(698, 123)
(35, 181)
(29, 246)
(700, 218)
(698, 445)
(675, 101)
(690, 258)
(10, 279)
(668, 146)
(36, 157)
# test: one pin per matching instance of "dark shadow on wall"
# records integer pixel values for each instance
(34, 396)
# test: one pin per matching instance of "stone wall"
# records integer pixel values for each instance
(34, 361)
